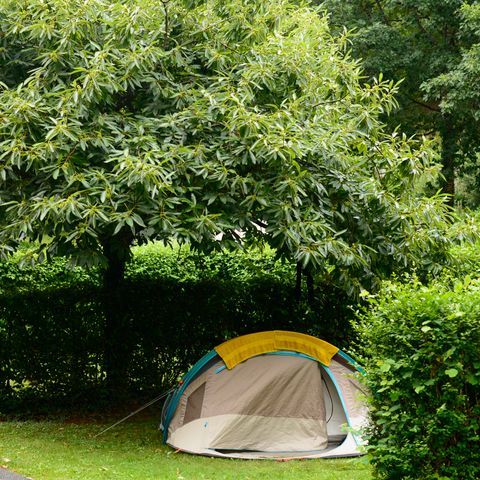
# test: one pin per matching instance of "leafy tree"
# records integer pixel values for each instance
(458, 89)
(132, 120)
(420, 42)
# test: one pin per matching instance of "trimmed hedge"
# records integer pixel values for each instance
(179, 304)
(422, 356)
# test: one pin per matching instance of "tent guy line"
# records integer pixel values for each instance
(143, 407)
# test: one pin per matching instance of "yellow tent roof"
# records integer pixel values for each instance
(242, 348)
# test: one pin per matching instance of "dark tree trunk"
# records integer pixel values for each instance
(117, 332)
(298, 283)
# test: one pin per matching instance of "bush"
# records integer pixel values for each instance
(15, 279)
(179, 304)
(422, 355)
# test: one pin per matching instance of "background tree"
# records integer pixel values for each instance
(419, 42)
(131, 120)
(458, 89)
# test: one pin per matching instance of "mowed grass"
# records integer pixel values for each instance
(134, 450)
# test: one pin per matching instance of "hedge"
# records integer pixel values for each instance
(422, 356)
(179, 304)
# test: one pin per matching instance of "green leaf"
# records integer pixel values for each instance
(473, 379)
(451, 372)
(385, 367)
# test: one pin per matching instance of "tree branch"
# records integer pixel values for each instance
(167, 26)
(326, 102)
(434, 108)
(71, 152)
(259, 223)
(236, 236)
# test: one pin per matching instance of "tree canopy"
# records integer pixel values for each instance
(458, 90)
(422, 43)
(204, 122)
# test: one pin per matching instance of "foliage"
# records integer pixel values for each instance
(55, 274)
(464, 254)
(457, 89)
(178, 305)
(153, 261)
(133, 450)
(467, 194)
(181, 263)
(203, 122)
(423, 43)
(467, 263)
(422, 358)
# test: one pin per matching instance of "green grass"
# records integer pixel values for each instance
(133, 450)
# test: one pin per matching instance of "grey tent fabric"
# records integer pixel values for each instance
(268, 403)
(267, 385)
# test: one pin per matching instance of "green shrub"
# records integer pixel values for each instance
(154, 261)
(422, 355)
(55, 274)
(467, 256)
(178, 305)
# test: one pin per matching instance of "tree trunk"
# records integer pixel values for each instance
(117, 333)
(298, 283)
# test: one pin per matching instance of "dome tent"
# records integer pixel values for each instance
(268, 394)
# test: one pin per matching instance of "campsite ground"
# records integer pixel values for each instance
(53, 450)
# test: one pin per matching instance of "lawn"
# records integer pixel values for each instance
(68, 451)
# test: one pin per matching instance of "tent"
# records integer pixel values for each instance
(268, 394)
